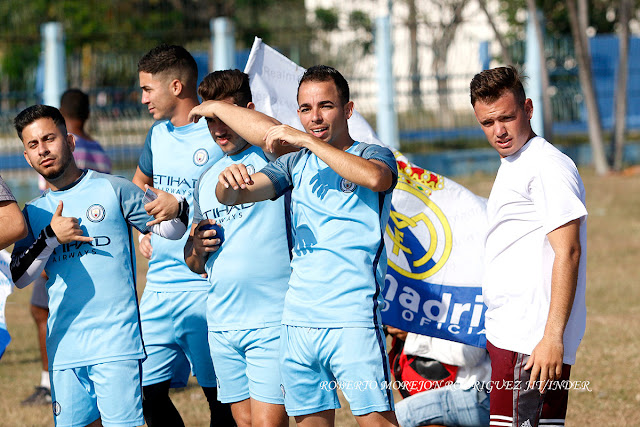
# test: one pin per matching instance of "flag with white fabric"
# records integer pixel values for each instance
(6, 287)
(435, 234)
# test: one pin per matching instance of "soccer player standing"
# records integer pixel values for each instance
(535, 259)
(173, 306)
(341, 197)
(79, 233)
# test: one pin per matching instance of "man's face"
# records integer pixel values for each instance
(157, 95)
(229, 141)
(46, 149)
(505, 123)
(321, 112)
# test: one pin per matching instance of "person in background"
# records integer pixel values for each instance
(12, 225)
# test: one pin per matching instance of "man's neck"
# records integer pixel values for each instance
(70, 175)
(344, 143)
(180, 115)
(76, 127)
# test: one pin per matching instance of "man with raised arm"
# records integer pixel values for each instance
(535, 259)
(80, 234)
(340, 200)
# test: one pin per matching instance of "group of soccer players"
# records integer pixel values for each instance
(277, 284)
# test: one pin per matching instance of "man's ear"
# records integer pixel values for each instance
(71, 141)
(251, 106)
(348, 109)
(27, 158)
(528, 108)
(176, 87)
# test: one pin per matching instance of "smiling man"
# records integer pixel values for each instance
(80, 234)
(340, 201)
(535, 258)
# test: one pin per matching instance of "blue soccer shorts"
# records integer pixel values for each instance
(317, 361)
(111, 391)
(247, 364)
(174, 331)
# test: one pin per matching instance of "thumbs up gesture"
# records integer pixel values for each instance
(67, 229)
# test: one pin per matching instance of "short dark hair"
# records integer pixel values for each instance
(39, 111)
(324, 73)
(489, 85)
(74, 104)
(224, 84)
(173, 60)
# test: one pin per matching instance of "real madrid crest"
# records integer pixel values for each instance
(200, 157)
(95, 213)
(347, 186)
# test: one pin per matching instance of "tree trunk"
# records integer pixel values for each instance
(504, 49)
(414, 65)
(547, 120)
(620, 120)
(588, 91)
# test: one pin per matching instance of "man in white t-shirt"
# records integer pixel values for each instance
(535, 265)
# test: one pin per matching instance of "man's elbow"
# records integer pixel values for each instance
(380, 182)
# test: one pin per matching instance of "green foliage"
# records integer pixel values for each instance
(327, 19)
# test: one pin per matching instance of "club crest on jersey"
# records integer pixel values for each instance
(250, 169)
(200, 157)
(56, 408)
(95, 213)
(347, 186)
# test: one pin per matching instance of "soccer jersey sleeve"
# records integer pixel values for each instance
(280, 171)
(557, 192)
(384, 155)
(145, 163)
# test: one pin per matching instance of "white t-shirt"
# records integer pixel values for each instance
(537, 190)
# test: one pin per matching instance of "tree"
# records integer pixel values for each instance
(624, 15)
(583, 57)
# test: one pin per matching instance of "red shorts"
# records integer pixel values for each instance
(513, 403)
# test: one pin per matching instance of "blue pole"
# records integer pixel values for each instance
(533, 85)
(223, 43)
(54, 63)
(386, 117)
(485, 57)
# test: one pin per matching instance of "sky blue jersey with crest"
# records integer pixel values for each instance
(93, 309)
(339, 262)
(176, 157)
(249, 274)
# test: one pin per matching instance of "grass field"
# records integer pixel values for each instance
(609, 357)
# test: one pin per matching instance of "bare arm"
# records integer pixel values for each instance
(12, 224)
(199, 245)
(141, 179)
(236, 186)
(371, 174)
(546, 358)
(249, 124)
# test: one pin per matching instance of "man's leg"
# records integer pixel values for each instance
(319, 419)
(40, 314)
(268, 414)
(220, 412)
(158, 408)
(242, 412)
(377, 419)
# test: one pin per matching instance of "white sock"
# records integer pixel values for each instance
(44, 380)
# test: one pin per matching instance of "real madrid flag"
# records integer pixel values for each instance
(435, 235)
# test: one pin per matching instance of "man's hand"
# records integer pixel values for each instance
(67, 229)
(398, 333)
(285, 135)
(202, 110)
(235, 176)
(165, 207)
(145, 246)
(545, 362)
(205, 242)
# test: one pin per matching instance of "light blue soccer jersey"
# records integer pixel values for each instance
(339, 262)
(176, 157)
(249, 273)
(93, 310)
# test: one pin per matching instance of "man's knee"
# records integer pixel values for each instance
(39, 314)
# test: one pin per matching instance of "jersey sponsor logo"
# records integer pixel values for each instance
(95, 213)
(250, 169)
(56, 408)
(200, 157)
(347, 186)
(72, 250)
(224, 213)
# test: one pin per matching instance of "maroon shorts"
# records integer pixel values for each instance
(513, 403)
